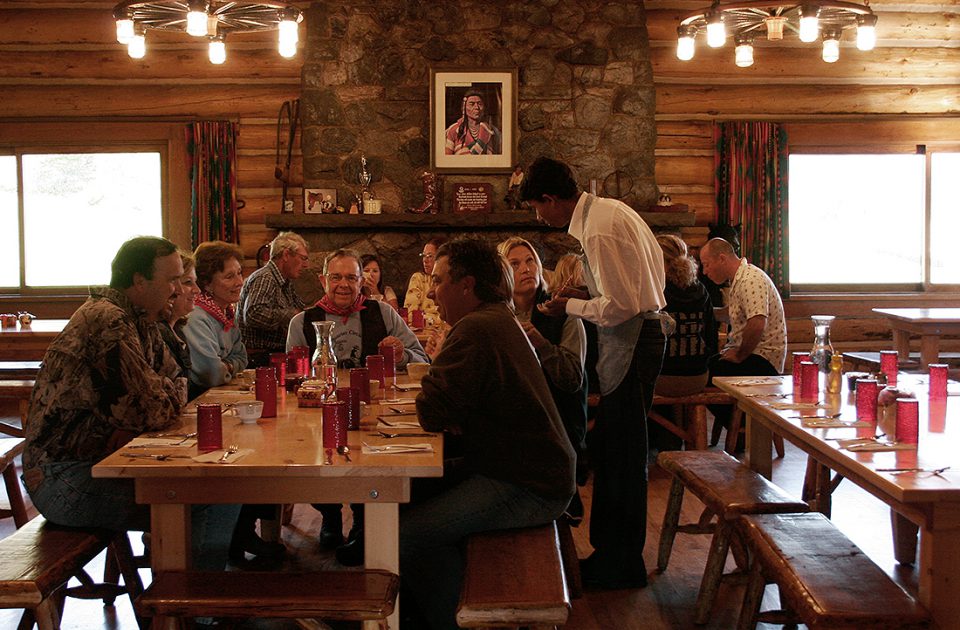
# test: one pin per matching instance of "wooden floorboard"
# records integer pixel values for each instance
(666, 603)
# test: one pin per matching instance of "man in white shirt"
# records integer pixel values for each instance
(623, 267)
(757, 340)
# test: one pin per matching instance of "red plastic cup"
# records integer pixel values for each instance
(809, 380)
(404, 314)
(375, 364)
(390, 359)
(889, 365)
(334, 424)
(417, 319)
(301, 360)
(938, 416)
(867, 391)
(798, 358)
(266, 389)
(360, 380)
(908, 420)
(209, 427)
(351, 396)
(938, 381)
(279, 362)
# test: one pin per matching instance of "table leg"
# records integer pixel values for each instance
(759, 444)
(904, 538)
(170, 537)
(929, 350)
(901, 343)
(939, 557)
(382, 547)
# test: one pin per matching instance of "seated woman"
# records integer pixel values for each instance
(217, 353)
(568, 272)
(171, 328)
(373, 282)
(560, 343)
(419, 285)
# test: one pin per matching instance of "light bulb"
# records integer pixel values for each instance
(137, 46)
(197, 19)
(288, 30)
(287, 49)
(217, 51)
(124, 30)
(831, 47)
(809, 24)
(743, 54)
(716, 33)
(866, 32)
(685, 43)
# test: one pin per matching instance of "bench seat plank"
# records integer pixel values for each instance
(339, 595)
(514, 578)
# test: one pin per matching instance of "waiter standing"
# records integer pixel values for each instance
(623, 268)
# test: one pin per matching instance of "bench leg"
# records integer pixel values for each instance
(733, 431)
(15, 494)
(698, 426)
(48, 614)
(713, 572)
(568, 553)
(752, 598)
(671, 518)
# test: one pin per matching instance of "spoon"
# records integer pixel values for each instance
(345, 451)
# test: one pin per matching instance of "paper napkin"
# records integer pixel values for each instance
(755, 381)
(213, 457)
(406, 387)
(833, 423)
(873, 445)
(145, 442)
(393, 423)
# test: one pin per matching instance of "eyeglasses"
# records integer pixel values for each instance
(336, 278)
(302, 257)
(427, 256)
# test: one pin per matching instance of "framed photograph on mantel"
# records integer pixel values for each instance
(473, 120)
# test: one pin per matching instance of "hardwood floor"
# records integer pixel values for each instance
(666, 603)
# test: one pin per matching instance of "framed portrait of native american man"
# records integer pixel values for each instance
(473, 120)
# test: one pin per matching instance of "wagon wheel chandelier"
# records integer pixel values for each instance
(745, 21)
(209, 19)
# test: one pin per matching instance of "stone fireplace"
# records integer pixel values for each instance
(585, 90)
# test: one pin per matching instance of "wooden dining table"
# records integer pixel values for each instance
(29, 343)
(929, 323)
(931, 501)
(289, 463)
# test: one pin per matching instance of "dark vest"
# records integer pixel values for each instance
(572, 405)
(372, 330)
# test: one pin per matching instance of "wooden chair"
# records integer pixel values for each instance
(514, 578)
(19, 390)
(727, 489)
(335, 595)
(825, 581)
(690, 415)
(10, 448)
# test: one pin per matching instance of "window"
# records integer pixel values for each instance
(73, 210)
(863, 222)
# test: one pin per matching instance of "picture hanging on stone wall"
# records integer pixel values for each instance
(473, 120)
(319, 200)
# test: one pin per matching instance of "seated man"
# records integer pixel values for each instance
(487, 387)
(268, 300)
(107, 378)
(757, 339)
(361, 325)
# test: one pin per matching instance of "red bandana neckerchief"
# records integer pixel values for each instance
(333, 309)
(206, 302)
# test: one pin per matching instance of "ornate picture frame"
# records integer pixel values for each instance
(473, 120)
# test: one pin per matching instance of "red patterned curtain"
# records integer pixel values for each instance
(751, 188)
(213, 180)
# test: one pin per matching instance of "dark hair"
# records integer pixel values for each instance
(211, 258)
(367, 259)
(462, 129)
(137, 256)
(548, 177)
(473, 257)
(436, 241)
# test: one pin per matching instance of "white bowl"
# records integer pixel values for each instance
(417, 371)
(249, 411)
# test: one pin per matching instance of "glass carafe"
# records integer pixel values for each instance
(822, 350)
(324, 360)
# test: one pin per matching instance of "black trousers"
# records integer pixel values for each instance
(754, 365)
(618, 517)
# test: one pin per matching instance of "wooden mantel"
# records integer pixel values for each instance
(463, 221)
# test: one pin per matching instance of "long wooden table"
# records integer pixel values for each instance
(930, 501)
(29, 343)
(288, 465)
(929, 323)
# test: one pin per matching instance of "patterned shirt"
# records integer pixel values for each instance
(417, 298)
(267, 303)
(753, 293)
(108, 370)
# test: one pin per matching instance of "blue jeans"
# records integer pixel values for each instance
(70, 496)
(431, 559)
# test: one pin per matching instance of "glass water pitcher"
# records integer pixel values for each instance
(324, 360)
(822, 350)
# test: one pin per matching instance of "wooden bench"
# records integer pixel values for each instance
(335, 595)
(20, 390)
(38, 560)
(727, 489)
(514, 578)
(10, 448)
(825, 580)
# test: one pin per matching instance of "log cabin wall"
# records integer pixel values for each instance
(61, 64)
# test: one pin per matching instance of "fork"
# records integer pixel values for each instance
(162, 457)
(901, 471)
(233, 448)
(384, 434)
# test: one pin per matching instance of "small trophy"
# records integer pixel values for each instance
(364, 178)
